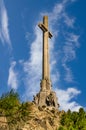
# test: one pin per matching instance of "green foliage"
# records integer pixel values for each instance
(13, 109)
(73, 120)
(24, 110)
(9, 101)
(61, 128)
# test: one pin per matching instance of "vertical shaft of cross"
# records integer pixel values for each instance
(45, 84)
(45, 70)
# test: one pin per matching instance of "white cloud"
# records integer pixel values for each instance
(4, 30)
(68, 21)
(73, 39)
(68, 74)
(66, 97)
(13, 76)
(33, 66)
(69, 51)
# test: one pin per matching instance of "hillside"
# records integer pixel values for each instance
(42, 119)
(15, 115)
(36, 119)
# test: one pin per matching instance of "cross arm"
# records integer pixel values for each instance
(50, 34)
(43, 28)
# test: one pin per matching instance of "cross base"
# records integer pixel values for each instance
(47, 99)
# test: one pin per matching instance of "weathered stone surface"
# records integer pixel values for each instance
(42, 119)
(3, 123)
(46, 97)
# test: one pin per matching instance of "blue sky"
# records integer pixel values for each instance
(21, 49)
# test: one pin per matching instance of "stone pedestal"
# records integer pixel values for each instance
(46, 98)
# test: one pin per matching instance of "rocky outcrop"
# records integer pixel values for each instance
(40, 118)
(3, 123)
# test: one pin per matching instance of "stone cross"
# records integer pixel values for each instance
(46, 96)
(45, 58)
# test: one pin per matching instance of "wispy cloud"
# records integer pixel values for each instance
(33, 66)
(59, 22)
(68, 21)
(69, 51)
(68, 76)
(4, 30)
(13, 76)
(66, 97)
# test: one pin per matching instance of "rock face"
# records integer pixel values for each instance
(42, 118)
(3, 123)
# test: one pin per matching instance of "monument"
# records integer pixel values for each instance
(46, 96)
